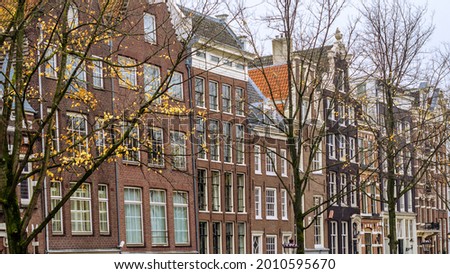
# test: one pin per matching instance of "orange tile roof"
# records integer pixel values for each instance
(272, 81)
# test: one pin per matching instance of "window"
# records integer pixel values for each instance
(178, 147)
(217, 239)
(77, 132)
(176, 86)
(240, 101)
(317, 160)
(55, 197)
(72, 16)
(80, 210)
(373, 198)
(156, 149)
(271, 161)
(241, 238)
(227, 147)
(305, 110)
(226, 98)
(351, 115)
(271, 204)
(256, 244)
(229, 238)
(409, 163)
(362, 153)
(214, 140)
(180, 215)
(409, 196)
(76, 72)
(214, 59)
(55, 130)
(341, 113)
(352, 149)
(344, 237)
(318, 222)
(284, 164)
(284, 205)
(371, 153)
(241, 192)
(202, 190)
(271, 244)
(213, 96)
(100, 137)
(50, 70)
(333, 237)
(203, 235)
(258, 213)
(199, 92)
(368, 240)
(257, 152)
(127, 72)
(330, 109)
(103, 209)
(344, 191)
(228, 192)
(158, 219)
(133, 215)
(332, 186)
(240, 150)
(149, 28)
(97, 74)
(342, 148)
(353, 201)
(407, 128)
(131, 143)
(215, 177)
(340, 80)
(152, 82)
(331, 146)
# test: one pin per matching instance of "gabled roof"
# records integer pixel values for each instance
(272, 81)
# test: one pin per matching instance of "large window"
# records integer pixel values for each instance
(152, 82)
(72, 16)
(76, 71)
(55, 130)
(214, 140)
(56, 196)
(103, 209)
(178, 149)
(217, 238)
(241, 192)
(199, 92)
(180, 215)
(158, 217)
(215, 177)
(271, 161)
(226, 98)
(344, 237)
(228, 192)
(131, 143)
(156, 149)
(202, 190)
(80, 210)
(213, 96)
(227, 147)
(271, 244)
(271, 204)
(133, 215)
(149, 28)
(240, 149)
(229, 238)
(77, 132)
(127, 72)
(97, 74)
(352, 149)
(176, 86)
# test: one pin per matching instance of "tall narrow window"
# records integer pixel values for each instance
(215, 177)
(351, 115)
(332, 186)
(241, 192)
(133, 215)
(152, 82)
(331, 146)
(228, 192)
(203, 235)
(199, 92)
(176, 86)
(51, 65)
(217, 238)
(343, 189)
(97, 74)
(200, 130)
(156, 149)
(344, 237)
(257, 152)
(202, 190)
(240, 101)
(258, 212)
(127, 72)
(72, 16)
(333, 237)
(241, 238)
(330, 109)
(214, 140)
(317, 160)
(229, 238)
(56, 196)
(80, 210)
(226, 98)
(271, 204)
(178, 147)
(181, 221)
(131, 143)
(284, 163)
(256, 244)
(103, 209)
(149, 28)
(271, 161)
(240, 149)
(213, 96)
(55, 130)
(77, 132)
(284, 205)
(227, 147)
(352, 149)
(100, 136)
(318, 222)
(353, 201)
(158, 217)
(342, 148)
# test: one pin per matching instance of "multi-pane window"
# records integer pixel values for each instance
(344, 237)
(133, 215)
(131, 143)
(72, 16)
(215, 183)
(156, 149)
(240, 144)
(351, 115)
(127, 72)
(100, 136)
(103, 213)
(229, 238)
(341, 113)
(332, 186)
(352, 149)
(271, 204)
(214, 140)
(152, 82)
(317, 159)
(284, 205)
(331, 146)
(342, 148)
(149, 28)
(256, 244)
(241, 192)
(217, 238)
(318, 222)
(333, 237)
(330, 109)
(228, 192)
(158, 216)
(271, 161)
(77, 132)
(213, 96)
(176, 86)
(202, 190)
(353, 201)
(373, 198)
(51, 64)
(362, 153)
(271, 244)
(407, 128)
(200, 130)
(371, 153)
(227, 147)
(408, 163)
(203, 237)
(226, 98)
(257, 152)
(80, 209)
(343, 188)
(178, 149)
(241, 238)
(240, 101)
(180, 216)
(55, 130)
(284, 163)
(56, 196)
(258, 207)
(97, 74)
(199, 92)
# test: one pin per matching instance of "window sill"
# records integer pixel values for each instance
(258, 172)
(271, 218)
(131, 163)
(271, 173)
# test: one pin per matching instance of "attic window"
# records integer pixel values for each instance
(200, 54)
(215, 59)
(240, 66)
(228, 63)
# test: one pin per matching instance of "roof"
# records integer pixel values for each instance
(272, 81)
(212, 28)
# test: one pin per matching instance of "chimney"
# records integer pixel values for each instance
(279, 50)
(222, 17)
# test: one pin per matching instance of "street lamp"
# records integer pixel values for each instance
(290, 247)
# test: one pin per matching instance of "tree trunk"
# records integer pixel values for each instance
(13, 226)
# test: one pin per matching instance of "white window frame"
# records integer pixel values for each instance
(227, 142)
(51, 64)
(204, 237)
(241, 243)
(352, 149)
(271, 201)
(56, 197)
(271, 244)
(105, 201)
(257, 248)
(213, 85)
(200, 92)
(258, 203)
(332, 146)
(229, 238)
(153, 219)
(240, 145)
(55, 136)
(97, 73)
(129, 142)
(257, 159)
(342, 148)
(78, 132)
(127, 72)
(332, 182)
(344, 237)
(205, 186)
(137, 203)
(215, 191)
(184, 206)
(284, 163)
(284, 204)
(226, 99)
(318, 223)
(178, 150)
(149, 28)
(77, 198)
(214, 140)
(228, 192)
(240, 101)
(219, 240)
(152, 82)
(271, 161)
(157, 161)
(241, 192)
(333, 237)
(176, 90)
(72, 16)
(317, 160)
(343, 189)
